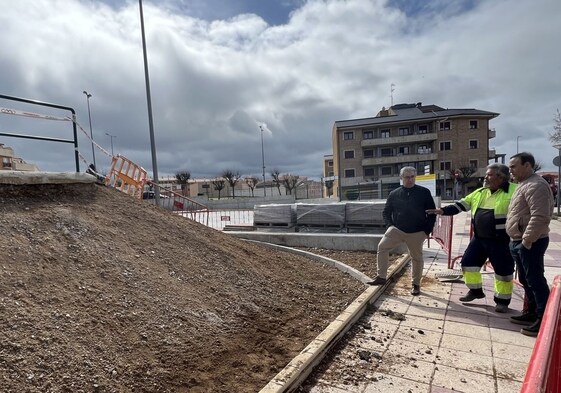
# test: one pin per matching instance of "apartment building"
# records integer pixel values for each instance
(369, 153)
(12, 163)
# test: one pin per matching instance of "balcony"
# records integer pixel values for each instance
(399, 159)
(399, 140)
(492, 133)
(492, 153)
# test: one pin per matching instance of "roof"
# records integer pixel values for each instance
(401, 113)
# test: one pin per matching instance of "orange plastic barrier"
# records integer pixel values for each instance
(126, 176)
(544, 369)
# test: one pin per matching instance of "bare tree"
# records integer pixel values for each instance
(329, 186)
(538, 166)
(251, 182)
(555, 136)
(219, 185)
(290, 182)
(183, 180)
(232, 178)
(463, 175)
(275, 174)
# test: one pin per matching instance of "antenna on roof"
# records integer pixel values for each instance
(392, 88)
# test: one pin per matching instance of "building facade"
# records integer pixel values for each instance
(369, 153)
(12, 163)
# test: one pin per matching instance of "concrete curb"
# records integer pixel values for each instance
(299, 368)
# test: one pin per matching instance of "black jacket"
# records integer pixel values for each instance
(405, 209)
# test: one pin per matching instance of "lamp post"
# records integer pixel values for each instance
(88, 96)
(111, 136)
(558, 147)
(263, 161)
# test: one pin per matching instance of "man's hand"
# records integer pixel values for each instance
(526, 244)
(434, 211)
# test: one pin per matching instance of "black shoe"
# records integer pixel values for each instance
(502, 308)
(470, 296)
(416, 290)
(533, 329)
(524, 319)
(377, 281)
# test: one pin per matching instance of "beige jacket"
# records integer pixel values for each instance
(530, 210)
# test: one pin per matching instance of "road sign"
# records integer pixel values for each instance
(556, 161)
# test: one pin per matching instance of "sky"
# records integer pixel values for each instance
(220, 69)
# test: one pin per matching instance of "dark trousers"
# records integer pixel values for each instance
(498, 253)
(530, 267)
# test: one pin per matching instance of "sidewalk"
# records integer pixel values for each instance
(439, 345)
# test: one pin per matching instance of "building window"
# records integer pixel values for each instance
(403, 131)
(330, 163)
(349, 173)
(473, 125)
(368, 134)
(473, 144)
(386, 171)
(423, 129)
(349, 154)
(385, 134)
(368, 153)
(444, 125)
(446, 145)
(473, 164)
(445, 165)
(368, 172)
(386, 152)
(348, 136)
(330, 173)
(402, 150)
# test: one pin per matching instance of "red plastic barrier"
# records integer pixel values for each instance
(442, 234)
(544, 369)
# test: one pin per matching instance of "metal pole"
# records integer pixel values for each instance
(88, 95)
(111, 136)
(149, 103)
(263, 161)
(518, 137)
(558, 178)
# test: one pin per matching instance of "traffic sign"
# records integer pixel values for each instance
(556, 161)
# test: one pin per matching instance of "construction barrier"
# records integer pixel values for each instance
(544, 369)
(442, 234)
(126, 176)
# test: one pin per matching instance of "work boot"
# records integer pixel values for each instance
(524, 319)
(470, 296)
(377, 281)
(501, 308)
(533, 329)
(416, 290)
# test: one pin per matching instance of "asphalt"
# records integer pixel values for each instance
(440, 345)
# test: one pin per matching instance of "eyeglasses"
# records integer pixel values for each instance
(409, 177)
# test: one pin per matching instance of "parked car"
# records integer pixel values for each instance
(152, 195)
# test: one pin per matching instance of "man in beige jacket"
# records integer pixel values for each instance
(527, 224)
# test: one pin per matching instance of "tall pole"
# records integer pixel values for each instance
(263, 161)
(517, 138)
(111, 136)
(88, 96)
(558, 176)
(149, 102)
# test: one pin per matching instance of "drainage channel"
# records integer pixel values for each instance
(299, 368)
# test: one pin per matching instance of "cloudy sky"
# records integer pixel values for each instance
(220, 68)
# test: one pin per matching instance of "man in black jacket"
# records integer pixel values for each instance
(407, 222)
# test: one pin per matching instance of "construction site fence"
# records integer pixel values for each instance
(442, 234)
(179, 204)
(544, 368)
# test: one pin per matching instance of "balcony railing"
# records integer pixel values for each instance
(492, 133)
(399, 159)
(431, 136)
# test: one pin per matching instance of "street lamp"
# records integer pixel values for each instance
(558, 147)
(88, 96)
(111, 136)
(263, 161)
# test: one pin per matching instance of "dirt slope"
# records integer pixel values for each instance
(102, 293)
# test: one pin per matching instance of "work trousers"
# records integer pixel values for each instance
(498, 252)
(414, 242)
(531, 270)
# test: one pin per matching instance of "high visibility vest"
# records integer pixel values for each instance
(475, 199)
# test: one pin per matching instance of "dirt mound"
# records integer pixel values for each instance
(103, 293)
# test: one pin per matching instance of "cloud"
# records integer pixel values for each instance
(213, 77)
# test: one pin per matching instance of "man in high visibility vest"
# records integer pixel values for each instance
(488, 206)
